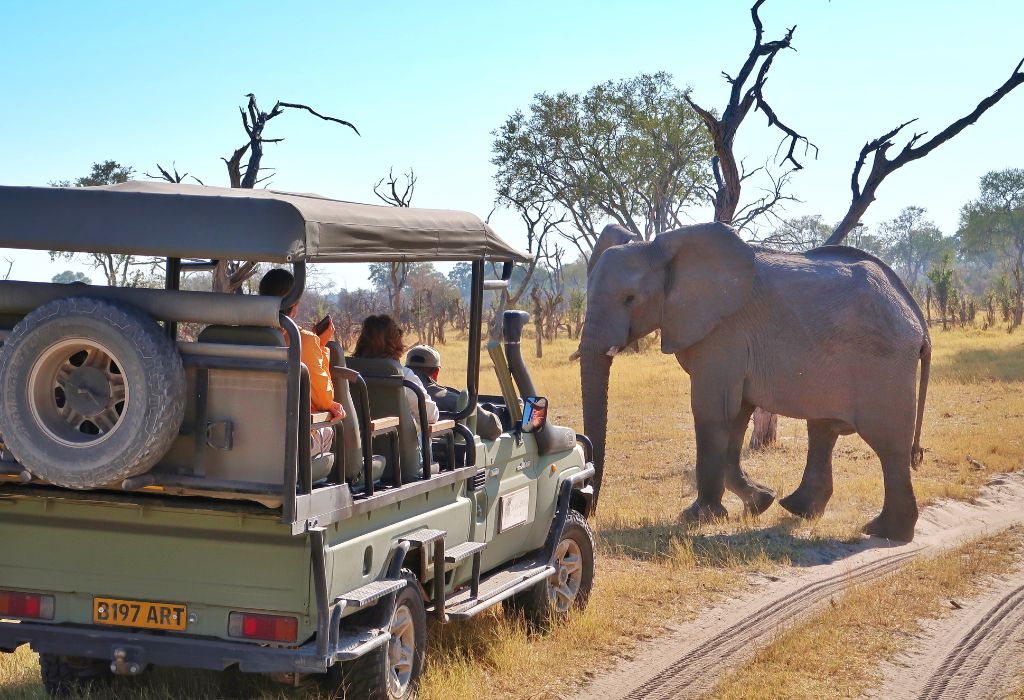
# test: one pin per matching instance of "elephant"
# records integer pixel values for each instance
(831, 335)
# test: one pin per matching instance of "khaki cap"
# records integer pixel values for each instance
(423, 356)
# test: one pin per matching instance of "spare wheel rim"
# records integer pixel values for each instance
(77, 393)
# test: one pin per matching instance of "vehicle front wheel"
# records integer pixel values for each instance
(392, 672)
(71, 676)
(569, 587)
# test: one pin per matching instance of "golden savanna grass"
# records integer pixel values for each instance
(651, 570)
(837, 653)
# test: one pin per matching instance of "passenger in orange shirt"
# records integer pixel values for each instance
(277, 283)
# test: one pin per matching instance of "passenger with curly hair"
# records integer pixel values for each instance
(381, 338)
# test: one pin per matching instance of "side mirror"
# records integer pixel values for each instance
(535, 414)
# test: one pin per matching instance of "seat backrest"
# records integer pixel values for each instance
(242, 335)
(391, 401)
(353, 447)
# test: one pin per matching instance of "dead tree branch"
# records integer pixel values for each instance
(391, 195)
(882, 166)
(747, 92)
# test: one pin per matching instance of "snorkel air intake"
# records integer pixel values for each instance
(512, 324)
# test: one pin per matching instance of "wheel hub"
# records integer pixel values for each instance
(564, 584)
(87, 390)
(77, 393)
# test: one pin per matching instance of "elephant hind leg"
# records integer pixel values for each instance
(815, 489)
(756, 497)
(899, 509)
(892, 441)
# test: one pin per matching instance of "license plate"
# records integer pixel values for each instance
(138, 613)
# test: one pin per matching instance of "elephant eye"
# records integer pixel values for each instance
(629, 300)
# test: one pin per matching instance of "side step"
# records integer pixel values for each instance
(462, 552)
(424, 537)
(496, 588)
(371, 592)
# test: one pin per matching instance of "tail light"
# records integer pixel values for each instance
(267, 628)
(26, 605)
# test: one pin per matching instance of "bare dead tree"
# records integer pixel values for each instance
(538, 218)
(882, 166)
(230, 275)
(10, 267)
(387, 190)
(176, 178)
(747, 93)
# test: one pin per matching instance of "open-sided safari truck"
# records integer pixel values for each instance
(159, 503)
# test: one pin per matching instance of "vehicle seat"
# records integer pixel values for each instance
(242, 335)
(353, 447)
(386, 400)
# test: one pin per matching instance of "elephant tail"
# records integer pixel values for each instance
(916, 453)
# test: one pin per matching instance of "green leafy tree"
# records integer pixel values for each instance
(69, 276)
(941, 276)
(995, 223)
(632, 152)
(911, 244)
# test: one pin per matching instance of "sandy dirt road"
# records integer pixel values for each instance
(977, 651)
(689, 659)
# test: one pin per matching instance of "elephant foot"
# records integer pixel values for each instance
(700, 513)
(758, 500)
(803, 505)
(898, 528)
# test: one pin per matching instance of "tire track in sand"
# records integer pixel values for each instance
(688, 661)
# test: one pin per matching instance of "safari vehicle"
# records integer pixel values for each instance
(159, 503)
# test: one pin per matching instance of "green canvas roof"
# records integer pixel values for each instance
(192, 221)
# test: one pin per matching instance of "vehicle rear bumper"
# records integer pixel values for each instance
(144, 648)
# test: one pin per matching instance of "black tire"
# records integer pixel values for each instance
(543, 605)
(370, 677)
(71, 676)
(88, 435)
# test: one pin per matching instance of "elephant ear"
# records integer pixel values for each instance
(709, 276)
(612, 235)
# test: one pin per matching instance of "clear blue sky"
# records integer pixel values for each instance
(426, 83)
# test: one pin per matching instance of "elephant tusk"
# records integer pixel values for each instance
(613, 350)
(575, 356)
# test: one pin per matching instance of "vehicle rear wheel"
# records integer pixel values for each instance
(569, 587)
(71, 676)
(91, 392)
(392, 672)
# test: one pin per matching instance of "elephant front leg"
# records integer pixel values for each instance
(712, 459)
(756, 497)
(815, 490)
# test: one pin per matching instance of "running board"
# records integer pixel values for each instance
(496, 588)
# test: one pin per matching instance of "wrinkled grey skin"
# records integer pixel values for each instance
(831, 336)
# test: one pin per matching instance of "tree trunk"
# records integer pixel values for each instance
(538, 325)
(765, 430)
(928, 305)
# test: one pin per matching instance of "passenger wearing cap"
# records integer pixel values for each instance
(425, 362)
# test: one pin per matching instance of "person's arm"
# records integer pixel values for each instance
(321, 389)
(432, 411)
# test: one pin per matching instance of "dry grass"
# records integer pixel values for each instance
(652, 569)
(837, 652)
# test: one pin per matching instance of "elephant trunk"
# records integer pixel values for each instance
(595, 368)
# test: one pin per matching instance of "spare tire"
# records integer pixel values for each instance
(91, 392)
